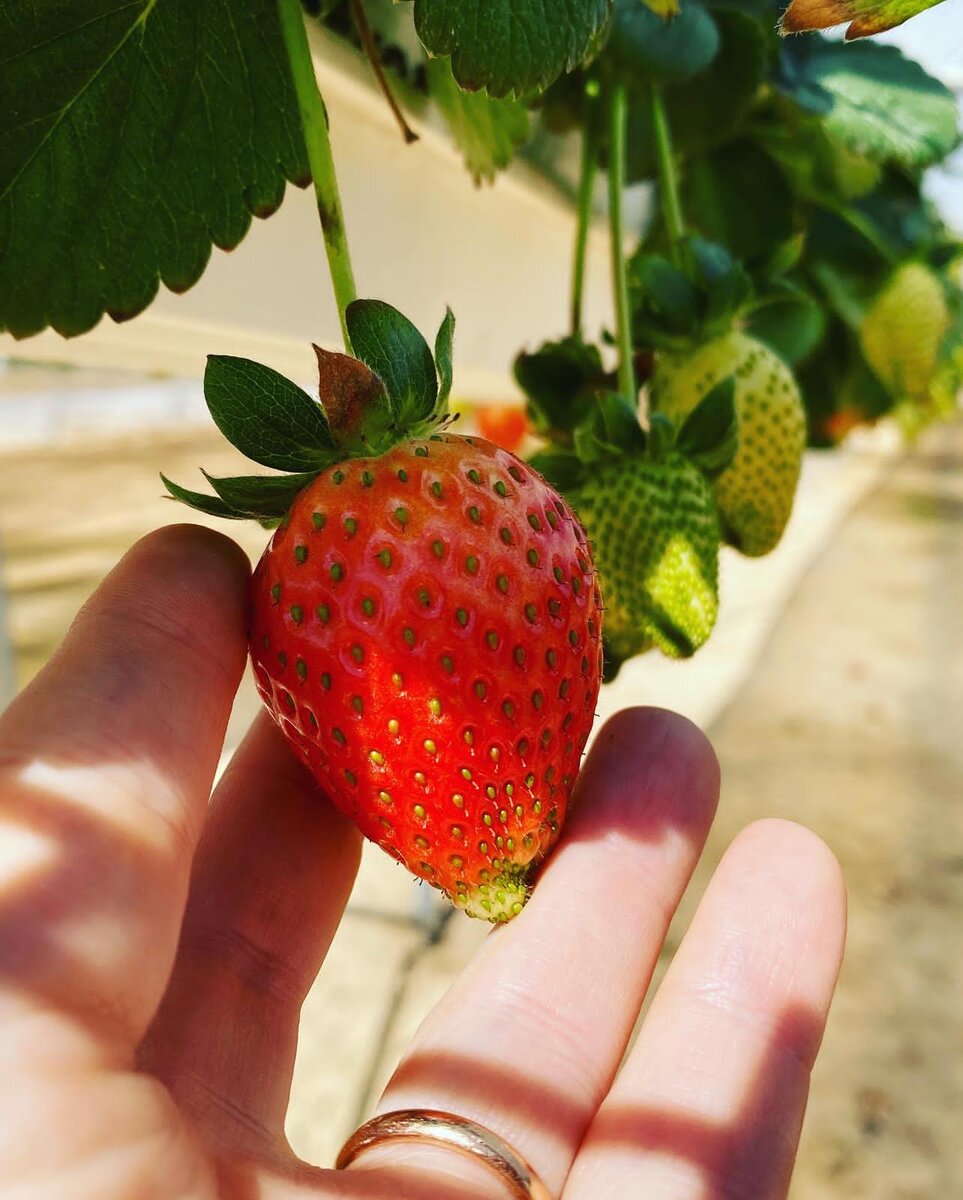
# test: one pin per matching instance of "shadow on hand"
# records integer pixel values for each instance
(748, 1156)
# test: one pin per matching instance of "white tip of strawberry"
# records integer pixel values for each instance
(500, 900)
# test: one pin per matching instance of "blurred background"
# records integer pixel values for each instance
(832, 687)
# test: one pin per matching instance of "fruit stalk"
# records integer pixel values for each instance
(623, 328)
(668, 177)
(314, 122)
(370, 47)
(586, 185)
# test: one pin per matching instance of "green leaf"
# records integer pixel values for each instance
(866, 17)
(261, 496)
(792, 326)
(487, 130)
(443, 357)
(558, 380)
(875, 102)
(212, 505)
(706, 110)
(737, 196)
(511, 46)
(644, 48)
(783, 257)
(134, 134)
(266, 416)
(388, 343)
(709, 436)
(845, 296)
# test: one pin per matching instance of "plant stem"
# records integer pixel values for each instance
(623, 330)
(314, 123)
(370, 47)
(586, 184)
(668, 177)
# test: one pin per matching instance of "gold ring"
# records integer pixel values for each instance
(457, 1133)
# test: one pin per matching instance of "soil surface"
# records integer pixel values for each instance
(852, 724)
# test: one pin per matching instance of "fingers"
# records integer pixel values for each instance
(272, 875)
(528, 1040)
(711, 1099)
(106, 762)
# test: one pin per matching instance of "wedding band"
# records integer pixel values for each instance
(456, 1133)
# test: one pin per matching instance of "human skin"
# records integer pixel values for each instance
(155, 948)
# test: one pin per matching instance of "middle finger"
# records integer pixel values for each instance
(528, 1040)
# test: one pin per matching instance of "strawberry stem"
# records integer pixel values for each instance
(583, 208)
(623, 323)
(370, 47)
(668, 176)
(314, 123)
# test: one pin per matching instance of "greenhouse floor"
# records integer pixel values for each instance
(848, 721)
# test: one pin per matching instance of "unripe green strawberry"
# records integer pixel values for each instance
(902, 332)
(655, 534)
(755, 493)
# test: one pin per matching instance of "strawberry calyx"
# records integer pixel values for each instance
(392, 389)
(678, 304)
(617, 474)
(708, 437)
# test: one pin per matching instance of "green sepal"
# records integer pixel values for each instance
(665, 299)
(393, 348)
(444, 342)
(724, 281)
(559, 380)
(791, 324)
(610, 430)
(661, 436)
(675, 305)
(260, 496)
(709, 436)
(212, 505)
(390, 391)
(267, 417)
(563, 469)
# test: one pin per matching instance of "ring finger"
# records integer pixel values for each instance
(528, 1040)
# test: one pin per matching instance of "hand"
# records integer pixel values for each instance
(154, 953)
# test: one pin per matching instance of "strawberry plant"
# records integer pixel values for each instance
(427, 621)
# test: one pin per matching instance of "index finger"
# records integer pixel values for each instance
(106, 763)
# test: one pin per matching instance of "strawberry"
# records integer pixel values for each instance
(505, 425)
(655, 533)
(902, 331)
(650, 516)
(425, 622)
(755, 493)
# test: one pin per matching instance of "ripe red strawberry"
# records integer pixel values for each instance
(426, 630)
